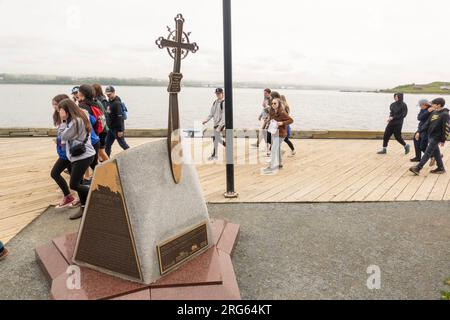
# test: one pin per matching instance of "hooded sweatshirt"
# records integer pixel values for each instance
(437, 125)
(399, 110)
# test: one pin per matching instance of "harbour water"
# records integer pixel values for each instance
(30, 106)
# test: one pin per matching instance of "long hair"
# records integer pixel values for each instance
(98, 91)
(56, 118)
(87, 91)
(286, 106)
(75, 113)
(272, 112)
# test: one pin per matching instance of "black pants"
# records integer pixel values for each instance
(396, 130)
(269, 138)
(78, 170)
(58, 168)
(289, 143)
(95, 161)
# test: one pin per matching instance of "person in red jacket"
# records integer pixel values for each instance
(279, 122)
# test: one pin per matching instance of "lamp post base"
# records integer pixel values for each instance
(231, 195)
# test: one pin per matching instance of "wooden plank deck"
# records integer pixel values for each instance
(322, 171)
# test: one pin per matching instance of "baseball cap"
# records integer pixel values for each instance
(75, 89)
(110, 89)
(219, 90)
(424, 101)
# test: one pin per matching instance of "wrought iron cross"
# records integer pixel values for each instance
(178, 46)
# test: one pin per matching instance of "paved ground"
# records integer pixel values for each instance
(297, 251)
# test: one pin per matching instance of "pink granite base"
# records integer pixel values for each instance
(208, 277)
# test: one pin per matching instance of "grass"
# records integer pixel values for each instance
(431, 88)
(445, 295)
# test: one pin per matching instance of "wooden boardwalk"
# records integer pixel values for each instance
(322, 171)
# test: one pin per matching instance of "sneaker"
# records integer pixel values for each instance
(268, 160)
(438, 171)
(383, 151)
(86, 182)
(415, 160)
(432, 162)
(76, 214)
(281, 167)
(415, 170)
(293, 153)
(4, 254)
(66, 201)
(76, 203)
(407, 149)
(213, 158)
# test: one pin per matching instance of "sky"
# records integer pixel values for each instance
(377, 44)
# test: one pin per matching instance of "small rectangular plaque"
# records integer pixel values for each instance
(175, 82)
(174, 252)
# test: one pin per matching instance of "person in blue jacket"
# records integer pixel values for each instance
(63, 162)
(421, 144)
(3, 251)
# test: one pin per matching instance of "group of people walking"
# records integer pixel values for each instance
(432, 133)
(275, 129)
(87, 126)
(275, 119)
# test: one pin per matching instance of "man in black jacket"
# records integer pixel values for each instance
(116, 121)
(399, 111)
(437, 127)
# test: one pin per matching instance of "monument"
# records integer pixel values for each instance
(146, 231)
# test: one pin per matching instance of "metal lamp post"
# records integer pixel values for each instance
(228, 72)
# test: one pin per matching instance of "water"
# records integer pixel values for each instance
(30, 106)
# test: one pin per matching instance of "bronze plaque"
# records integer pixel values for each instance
(105, 239)
(174, 252)
(175, 82)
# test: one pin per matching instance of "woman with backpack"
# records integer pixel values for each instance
(75, 131)
(102, 103)
(86, 102)
(63, 162)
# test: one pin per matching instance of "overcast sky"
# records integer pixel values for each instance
(379, 43)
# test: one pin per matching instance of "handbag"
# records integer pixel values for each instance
(79, 149)
(273, 127)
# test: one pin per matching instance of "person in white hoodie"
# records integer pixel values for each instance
(75, 131)
(218, 115)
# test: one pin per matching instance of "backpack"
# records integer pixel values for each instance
(124, 111)
(100, 120)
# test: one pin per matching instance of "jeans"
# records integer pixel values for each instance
(217, 139)
(59, 166)
(112, 136)
(421, 145)
(78, 170)
(396, 130)
(433, 150)
(276, 160)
